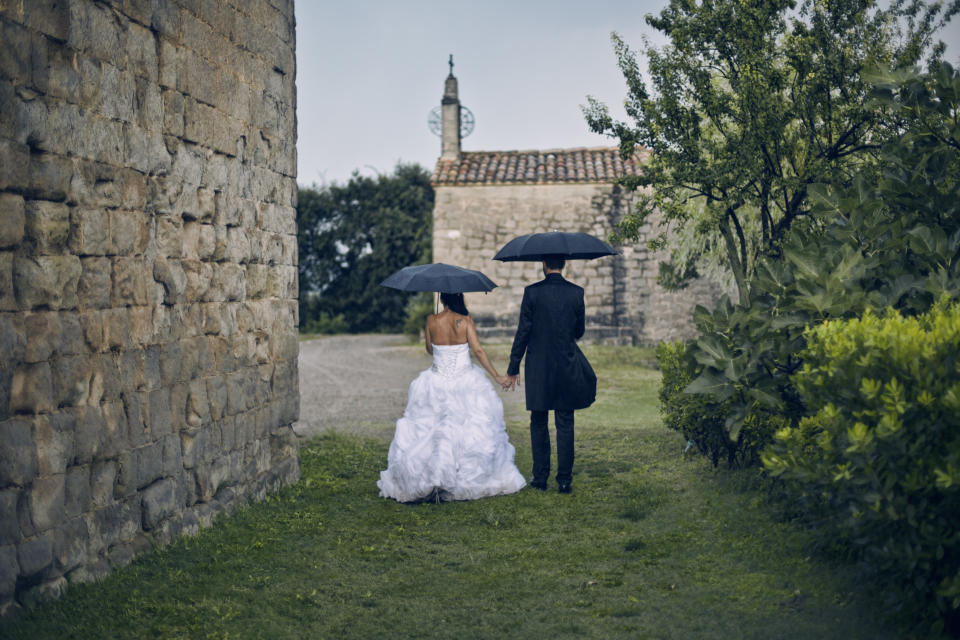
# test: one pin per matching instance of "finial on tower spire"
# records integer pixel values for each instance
(451, 64)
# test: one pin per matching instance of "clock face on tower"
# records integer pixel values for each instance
(435, 121)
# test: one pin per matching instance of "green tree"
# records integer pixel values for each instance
(887, 241)
(751, 104)
(352, 236)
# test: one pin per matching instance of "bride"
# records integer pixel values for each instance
(451, 443)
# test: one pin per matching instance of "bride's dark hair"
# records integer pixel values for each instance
(454, 302)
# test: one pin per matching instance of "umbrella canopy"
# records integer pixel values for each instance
(440, 277)
(535, 247)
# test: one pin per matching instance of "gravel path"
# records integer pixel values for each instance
(358, 384)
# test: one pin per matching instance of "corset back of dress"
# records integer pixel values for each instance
(451, 360)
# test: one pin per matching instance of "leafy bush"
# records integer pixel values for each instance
(321, 321)
(878, 459)
(701, 419)
(890, 238)
(697, 417)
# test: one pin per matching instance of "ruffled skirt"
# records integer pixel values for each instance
(451, 443)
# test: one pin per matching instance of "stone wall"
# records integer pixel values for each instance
(624, 305)
(148, 282)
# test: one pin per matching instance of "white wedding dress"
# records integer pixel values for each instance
(451, 443)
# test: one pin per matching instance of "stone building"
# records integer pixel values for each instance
(486, 198)
(148, 281)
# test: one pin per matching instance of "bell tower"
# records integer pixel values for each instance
(450, 106)
(451, 120)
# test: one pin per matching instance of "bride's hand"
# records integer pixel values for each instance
(509, 383)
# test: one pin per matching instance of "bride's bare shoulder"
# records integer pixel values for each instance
(437, 324)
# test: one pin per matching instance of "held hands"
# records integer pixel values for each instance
(509, 383)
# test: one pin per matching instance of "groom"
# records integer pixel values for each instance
(558, 375)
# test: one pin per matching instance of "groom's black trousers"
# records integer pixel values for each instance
(540, 439)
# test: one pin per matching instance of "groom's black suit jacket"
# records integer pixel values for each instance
(558, 375)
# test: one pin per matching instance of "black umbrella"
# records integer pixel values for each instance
(535, 247)
(443, 278)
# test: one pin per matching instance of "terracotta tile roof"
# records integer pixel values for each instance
(552, 166)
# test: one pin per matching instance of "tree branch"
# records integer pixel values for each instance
(738, 268)
(740, 237)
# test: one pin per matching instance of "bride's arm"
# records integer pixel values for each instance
(478, 351)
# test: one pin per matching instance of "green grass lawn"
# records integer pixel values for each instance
(650, 545)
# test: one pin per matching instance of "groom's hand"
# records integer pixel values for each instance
(513, 381)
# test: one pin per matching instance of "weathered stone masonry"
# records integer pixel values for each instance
(148, 282)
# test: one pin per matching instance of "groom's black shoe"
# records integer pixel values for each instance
(564, 487)
(541, 486)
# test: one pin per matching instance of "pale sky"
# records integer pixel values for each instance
(370, 71)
